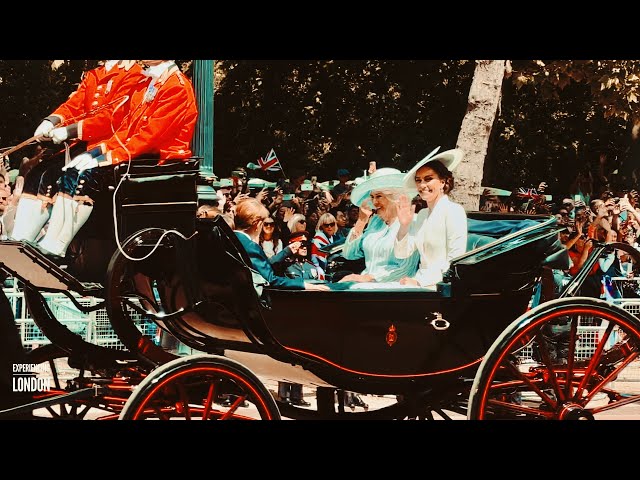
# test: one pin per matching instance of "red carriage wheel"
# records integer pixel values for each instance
(568, 359)
(191, 388)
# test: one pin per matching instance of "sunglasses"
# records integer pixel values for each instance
(302, 221)
(332, 224)
(268, 224)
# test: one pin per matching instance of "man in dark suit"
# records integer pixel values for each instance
(260, 262)
(250, 215)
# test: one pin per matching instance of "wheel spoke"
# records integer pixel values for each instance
(54, 372)
(162, 415)
(184, 401)
(593, 362)
(515, 408)
(443, 414)
(618, 403)
(514, 369)
(549, 366)
(573, 337)
(209, 401)
(53, 413)
(234, 407)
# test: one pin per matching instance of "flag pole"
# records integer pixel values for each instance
(282, 170)
(280, 164)
(264, 164)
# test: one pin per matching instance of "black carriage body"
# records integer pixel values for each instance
(378, 341)
(389, 341)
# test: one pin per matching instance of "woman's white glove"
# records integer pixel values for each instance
(43, 129)
(58, 135)
(82, 162)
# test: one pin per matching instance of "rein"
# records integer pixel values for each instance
(39, 138)
(15, 148)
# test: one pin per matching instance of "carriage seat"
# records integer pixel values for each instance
(475, 240)
(152, 195)
(146, 195)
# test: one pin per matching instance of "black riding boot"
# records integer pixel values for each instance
(284, 392)
(297, 397)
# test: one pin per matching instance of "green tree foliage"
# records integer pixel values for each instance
(323, 115)
(559, 116)
(556, 117)
(613, 84)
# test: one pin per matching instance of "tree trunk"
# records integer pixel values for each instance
(482, 110)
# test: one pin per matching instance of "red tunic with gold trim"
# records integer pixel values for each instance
(161, 121)
(100, 88)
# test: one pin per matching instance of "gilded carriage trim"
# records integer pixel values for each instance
(392, 335)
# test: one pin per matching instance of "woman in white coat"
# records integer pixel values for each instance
(439, 231)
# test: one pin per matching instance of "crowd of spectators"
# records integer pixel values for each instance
(297, 205)
(591, 216)
(591, 212)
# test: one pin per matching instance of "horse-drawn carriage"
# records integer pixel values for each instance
(478, 345)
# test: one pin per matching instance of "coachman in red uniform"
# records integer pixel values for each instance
(160, 123)
(91, 114)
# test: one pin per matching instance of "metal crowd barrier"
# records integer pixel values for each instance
(93, 327)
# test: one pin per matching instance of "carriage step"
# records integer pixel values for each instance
(29, 265)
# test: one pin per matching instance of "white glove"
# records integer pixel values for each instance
(44, 128)
(58, 135)
(87, 164)
(82, 162)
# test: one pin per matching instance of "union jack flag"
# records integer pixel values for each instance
(271, 164)
(528, 193)
(607, 290)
